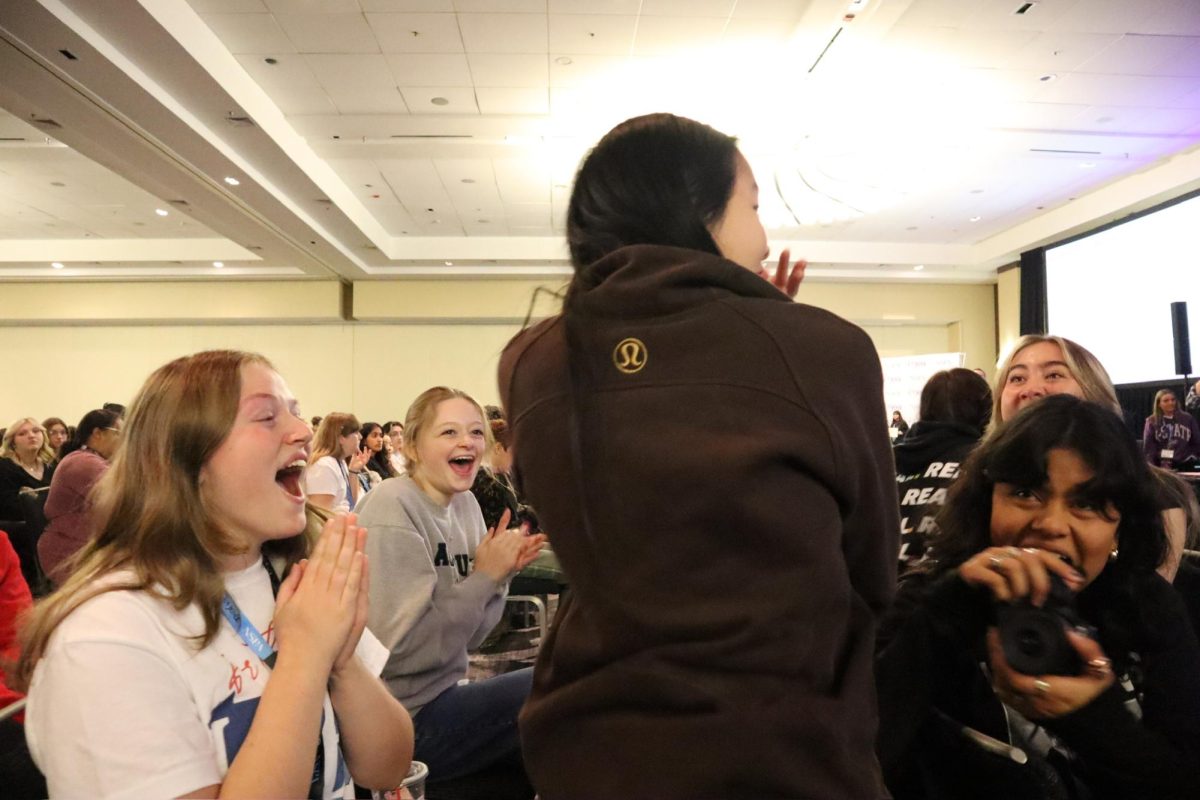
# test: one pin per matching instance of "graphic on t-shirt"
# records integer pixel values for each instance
(462, 561)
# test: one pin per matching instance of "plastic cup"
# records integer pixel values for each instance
(411, 788)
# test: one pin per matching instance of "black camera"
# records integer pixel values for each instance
(1035, 639)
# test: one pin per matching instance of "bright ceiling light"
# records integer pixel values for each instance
(218, 264)
(162, 212)
(976, 219)
(918, 267)
(57, 265)
(232, 181)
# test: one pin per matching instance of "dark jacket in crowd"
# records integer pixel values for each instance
(931, 682)
(496, 495)
(928, 459)
(13, 478)
(711, 462)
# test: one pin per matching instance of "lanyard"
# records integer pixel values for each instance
(258, 643)
(245, 628)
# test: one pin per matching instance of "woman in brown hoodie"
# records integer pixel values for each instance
(712, 465)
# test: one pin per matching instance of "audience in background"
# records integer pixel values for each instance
(446, 578)
(899, 425)
(380, 458)
(395, 435)
(26, 461)
(335, 464)
(147, 674)
(56, 434)
(84, 459)
(956, 406)
(1109, 711)
(493, 486)
(1171, 437)
(372, 447)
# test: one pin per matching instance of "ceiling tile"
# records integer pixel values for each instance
(530, 214)
(504, 33)
(592, 34)
(429, 69)
(629, 7)
(354, 100)
(227, 6)
(522, 181)
(754, 32)
(1178, 17)
(405, 6)
(417, 33)
(1116, 90)
(1116, 119)
(671, 35)
(421, 99)
(341, 72)
(509, 70)
(687, 8)
(985, 48)
(329, 33)
(500, 6)
(936, 13)
(313, 6)
(785, 11)
(1136, 54)
(1109, 16)
(249, 33)
(998, 15)
(290, 83)
(1055, 51)
(583, 70)
(513, 101)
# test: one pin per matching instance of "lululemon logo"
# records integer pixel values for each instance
(630, 356)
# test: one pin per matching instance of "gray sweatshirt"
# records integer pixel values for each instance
(427, 605)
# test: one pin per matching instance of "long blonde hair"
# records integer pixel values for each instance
(8, 447)
(150, 514)
(327, 439)
(422, 413)
(1157, 413)
(1087, 370)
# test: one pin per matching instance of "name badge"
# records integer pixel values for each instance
(1166, 455)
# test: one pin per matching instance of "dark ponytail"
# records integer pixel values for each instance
(92, 421)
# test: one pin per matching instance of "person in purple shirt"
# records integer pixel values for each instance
(1171, 437)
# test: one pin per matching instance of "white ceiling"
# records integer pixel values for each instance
(404, 137)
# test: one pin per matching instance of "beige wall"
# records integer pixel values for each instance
(71, 347)
(1008, 308)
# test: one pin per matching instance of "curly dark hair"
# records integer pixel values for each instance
(1017, 454)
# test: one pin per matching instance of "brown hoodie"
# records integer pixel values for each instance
(711, 462)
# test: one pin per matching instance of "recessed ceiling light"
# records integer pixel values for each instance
(232, 181)
(57, 183)
(468, 180)
(218, 264)
(439, 101)
(976, 219)
(271, 61)
(1049, 76)
(57, 265)
(162, 212)
(1087, 165)
(449, 263)
(919, 267)
(564, 61)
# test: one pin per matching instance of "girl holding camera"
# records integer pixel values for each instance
(1059, 494)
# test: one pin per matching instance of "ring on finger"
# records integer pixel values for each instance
(1100, 667)
(994, 562)
(1042, 687)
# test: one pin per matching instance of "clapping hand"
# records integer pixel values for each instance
(506, 551)
(321, 608)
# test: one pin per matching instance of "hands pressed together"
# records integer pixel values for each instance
(322, 606)
(506, 551)
(1012, 573)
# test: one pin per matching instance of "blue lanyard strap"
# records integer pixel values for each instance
(246, 630)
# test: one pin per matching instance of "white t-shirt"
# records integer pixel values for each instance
(326, 477)
(123, 705)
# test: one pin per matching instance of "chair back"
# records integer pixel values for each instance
(25, 537)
